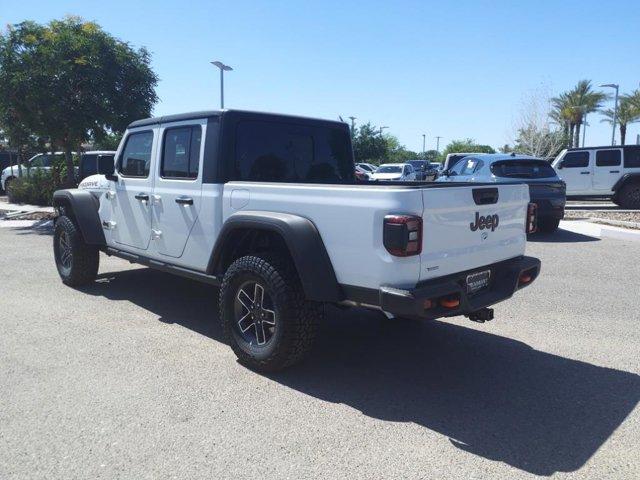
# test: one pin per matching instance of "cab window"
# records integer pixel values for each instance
(181, 152)
(576, 160)
(607, 158)
(135, 159)
(289, 152)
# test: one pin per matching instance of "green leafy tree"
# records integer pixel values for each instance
(466, 145)
(369, 145)
(108, 141)
(628, 112)
(431, 155)
(71, 81)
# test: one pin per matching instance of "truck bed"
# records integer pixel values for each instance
(350, 221)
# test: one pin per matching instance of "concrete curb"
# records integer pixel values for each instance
(598, 230)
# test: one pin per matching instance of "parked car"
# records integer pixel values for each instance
(421, 168)
(7, 158)
(362, 174)
(41, 161)
(264, 206)
(370, 168)
(95, 161)
(546, 189)
(399, 172)
(609, 172)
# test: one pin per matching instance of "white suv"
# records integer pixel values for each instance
(612, 172)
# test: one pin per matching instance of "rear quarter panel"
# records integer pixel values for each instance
(349, 219)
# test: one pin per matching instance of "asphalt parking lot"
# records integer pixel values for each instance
(129, 379)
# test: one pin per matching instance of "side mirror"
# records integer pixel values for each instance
(559, 167)
(106, 167)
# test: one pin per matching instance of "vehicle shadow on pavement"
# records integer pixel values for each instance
(493, 396)
(561, 236)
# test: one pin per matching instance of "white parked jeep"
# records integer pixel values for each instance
(267, 207)
(610, 172)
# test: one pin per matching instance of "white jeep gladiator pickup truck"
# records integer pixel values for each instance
(267, 207)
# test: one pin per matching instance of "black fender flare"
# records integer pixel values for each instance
(624, 179)
(84, 210)
(305, 245)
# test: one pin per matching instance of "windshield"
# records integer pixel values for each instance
(389, 169)
(523, 169)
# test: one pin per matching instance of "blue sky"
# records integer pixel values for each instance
(454, 69)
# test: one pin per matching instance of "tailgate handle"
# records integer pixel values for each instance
(485, 196)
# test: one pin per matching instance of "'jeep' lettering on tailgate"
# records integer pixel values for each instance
(480, 223)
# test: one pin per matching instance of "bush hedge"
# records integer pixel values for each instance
(36, 186)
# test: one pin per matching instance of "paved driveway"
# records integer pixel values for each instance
(129, 379)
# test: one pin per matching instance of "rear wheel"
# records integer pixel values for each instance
(629, 196)
(76, 261)
(548, 225)
(266, 318)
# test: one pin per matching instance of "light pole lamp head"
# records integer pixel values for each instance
(221, 66)
(610, 85)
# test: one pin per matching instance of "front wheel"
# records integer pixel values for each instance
(76, 261)
(266, 318)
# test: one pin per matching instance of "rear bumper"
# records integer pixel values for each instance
(504, 282)
(550, 207)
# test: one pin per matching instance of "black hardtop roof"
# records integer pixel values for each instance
(218, 113)
(603, 147)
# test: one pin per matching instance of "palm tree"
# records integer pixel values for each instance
(573, 105)
(561, 113)
(628, 112)
(584, 101)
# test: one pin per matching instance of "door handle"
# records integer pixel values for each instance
(184, 201)
(614, 171)
(584, 173)
(143, 197)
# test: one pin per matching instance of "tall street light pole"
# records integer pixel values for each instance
(223, 68)
(423, 143)
(615, 110)
(584, 129)
(382, 128)
(438, 144)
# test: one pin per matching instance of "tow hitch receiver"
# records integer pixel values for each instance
(481, 316)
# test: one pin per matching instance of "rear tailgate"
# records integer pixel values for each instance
(468, 226)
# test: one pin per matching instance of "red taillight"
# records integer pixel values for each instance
(532, 218)
(402, 235)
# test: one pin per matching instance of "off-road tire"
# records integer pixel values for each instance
(629, 196)
(548, 225)
(296, 317)
(81, 263)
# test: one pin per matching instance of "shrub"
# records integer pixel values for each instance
(36, 188)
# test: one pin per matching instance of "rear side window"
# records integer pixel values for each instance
(181, 152)
(576, 160)
(286, 152)
(468, 166)
(523, 169)
(607, 158)
(632, 157)
(136, 155)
